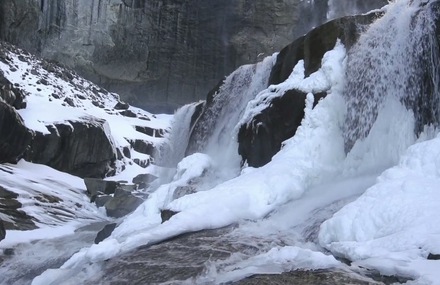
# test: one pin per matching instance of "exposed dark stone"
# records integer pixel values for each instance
(10, 207)
(144, 178)
(142, 146)
(97, 186)
(14, 136)
(166, 215)
(120, 206)
(126, 152)
(312, 46)
(69, 102)
(145, 130)
(101, 200)
(105, 232)
(10, 94)
(77, 147)
(2, 231)
(122, 106)
(8, 251)
(142, 162)
(128, 113)
(199, 110)
(262, 138)
(124, 190)
(432, 256)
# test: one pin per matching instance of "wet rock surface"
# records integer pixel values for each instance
(105, 232)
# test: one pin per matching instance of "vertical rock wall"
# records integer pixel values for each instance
(156, 53)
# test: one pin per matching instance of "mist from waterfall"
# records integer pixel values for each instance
(396, 58)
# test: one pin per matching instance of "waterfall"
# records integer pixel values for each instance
(214, 132)
(397, 58)
(173, 150)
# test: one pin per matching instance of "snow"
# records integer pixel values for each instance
(396, 219)
(46, 104)
(312, 155)
(275, 261)
(376, 206)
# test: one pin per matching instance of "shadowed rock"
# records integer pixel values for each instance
(105, 232)
(14, 136)
(77, 147)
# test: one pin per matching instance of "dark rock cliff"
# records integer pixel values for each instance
(159, 53)
(262, 137)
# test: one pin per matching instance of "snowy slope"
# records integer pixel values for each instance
(55, 95)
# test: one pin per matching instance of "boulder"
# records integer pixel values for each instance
(142, 180)
(81, 148)
(11, 95)
(96, 186)
(166, 215)
(105, 232)
(2, 231)
(142, 146)
(101, 200)
(260, 140)
(432, 256)
(120, 206)
(14, 136)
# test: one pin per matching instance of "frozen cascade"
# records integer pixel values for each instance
(396, 57)
(214, 132)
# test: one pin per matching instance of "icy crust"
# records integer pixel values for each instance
(55, 201)
(275, 261)
(395, 224)
(327, 78)
(55, 96)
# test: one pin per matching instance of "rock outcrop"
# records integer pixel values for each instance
(158, 53)
(81, 148)
(105, 232)
(260, 139)
(14, 136)
(2, 231)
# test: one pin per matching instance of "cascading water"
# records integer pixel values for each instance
(396, 58)
(173, 150)
(214, 132)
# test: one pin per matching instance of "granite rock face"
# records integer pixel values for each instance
(157, 53)
(14, 136)
(79, 148)
(262, 137)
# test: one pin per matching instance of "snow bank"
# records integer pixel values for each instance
(396, 220)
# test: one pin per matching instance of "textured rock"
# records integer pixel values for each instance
(97, 186)
(144, 179)
(171, 52)
(105, 232)
(10, 207)
(14, 136)
(120, 206)
(2, 231)
(262, 139)
(312, 46)
(76, 147)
